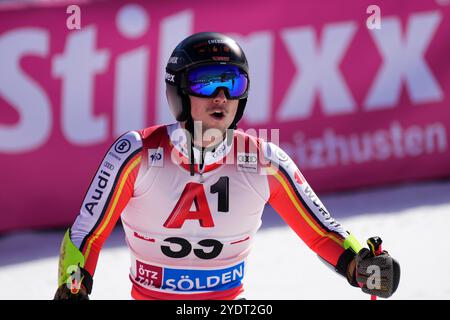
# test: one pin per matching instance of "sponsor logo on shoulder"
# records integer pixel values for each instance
(115, 156)
(156, 157)
(247, 162)
(219, 152)
(281, 155)
(122, 146)
(108, 165)
(299, 177)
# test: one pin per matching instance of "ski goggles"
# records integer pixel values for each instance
(207, 80)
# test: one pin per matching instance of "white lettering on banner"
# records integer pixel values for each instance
(173, 29)
(22, 92)
(396, 142)
(77, 67)
(130, 93)
(130, 103)
(317, 67)
(374, 21)
(259, 50)
(443, 2)
(319, 71)
(74, 20)
(403, 60)
(132, 21)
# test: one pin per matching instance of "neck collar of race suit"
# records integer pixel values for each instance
(210, 155)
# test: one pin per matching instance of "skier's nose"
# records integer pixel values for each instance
(220, 98)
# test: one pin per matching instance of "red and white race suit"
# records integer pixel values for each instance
(189, 236)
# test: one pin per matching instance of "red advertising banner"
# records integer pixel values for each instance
(360, 93)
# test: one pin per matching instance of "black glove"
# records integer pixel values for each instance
(73, 289)
(376, 275)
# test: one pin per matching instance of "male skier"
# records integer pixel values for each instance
(191, 194)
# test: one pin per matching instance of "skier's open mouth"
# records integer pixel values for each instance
(218, 115)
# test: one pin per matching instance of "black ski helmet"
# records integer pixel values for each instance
(201, 48)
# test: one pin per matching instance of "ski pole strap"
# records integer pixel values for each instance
(70, 258)
(352, 243)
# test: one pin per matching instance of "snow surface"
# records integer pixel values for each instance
(413, 221)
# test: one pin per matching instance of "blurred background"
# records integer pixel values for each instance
(360, 91)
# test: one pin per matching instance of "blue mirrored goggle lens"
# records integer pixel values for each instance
(204, 80)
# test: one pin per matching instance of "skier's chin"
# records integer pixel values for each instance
(220, 125)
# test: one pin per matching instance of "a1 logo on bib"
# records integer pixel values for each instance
(156, 157)
(247, 162)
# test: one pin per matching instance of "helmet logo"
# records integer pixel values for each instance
(221, 58)
(170, 77)
(173, 60)
(215, 41)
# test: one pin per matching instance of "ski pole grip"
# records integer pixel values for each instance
(374, 244)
